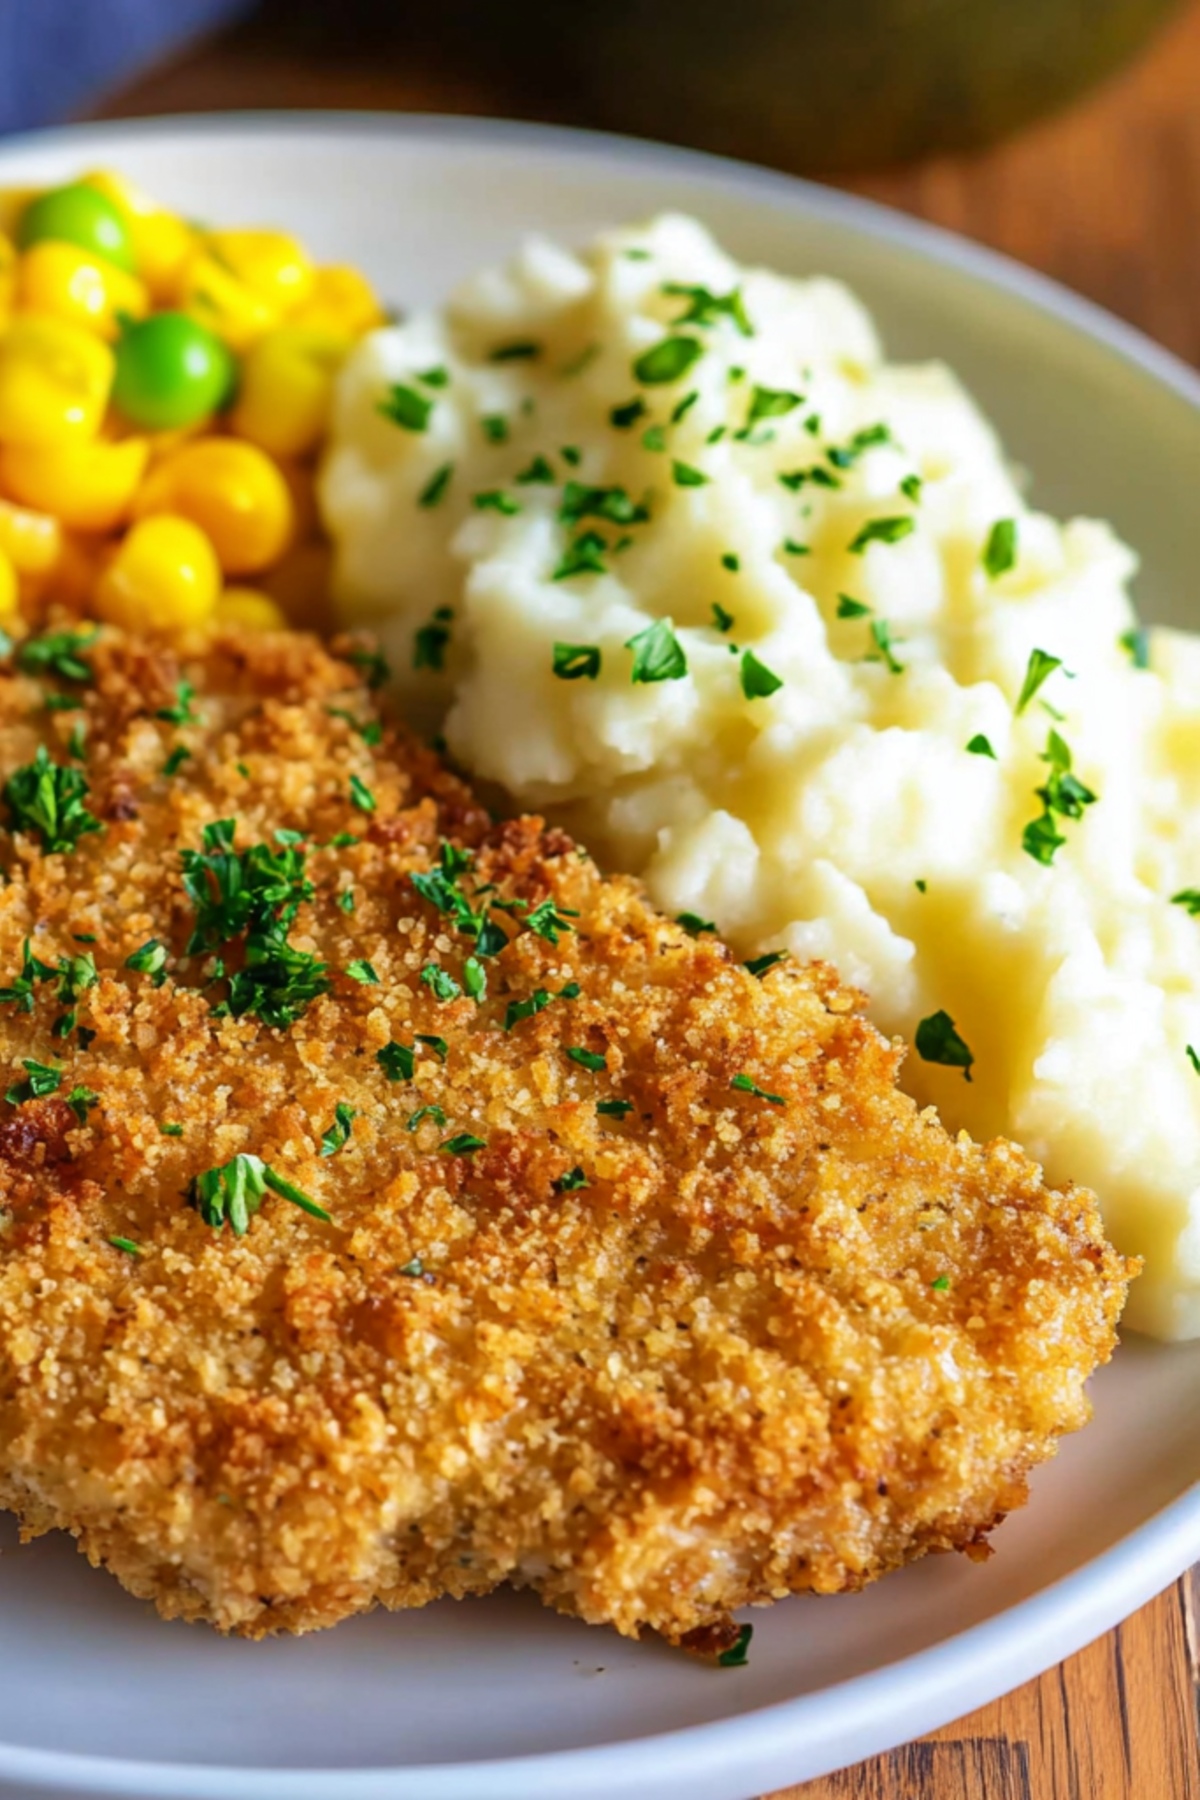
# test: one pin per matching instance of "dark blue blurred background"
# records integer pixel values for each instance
(58, 55)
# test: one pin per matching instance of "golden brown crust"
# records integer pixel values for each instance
(718, 1373)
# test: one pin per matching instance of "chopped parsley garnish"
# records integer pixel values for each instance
(1063, 795)
(736, 1657)
(438, 1045)
(724, 621)
(57, 653)
(657, 654)
(614, 1109)
(475, 978)
(81, 1100)
(733, 563)
(668, 360)
(981, 746)
(848, 608)
(41, 1079)
(369, 730)
(706, 308)
(684, 475)
(338, 1134)
(758, 965)
(571, 454)
(1136, 645)
(1000, 551)
(434, 378)
(744, 1085)
(771, 403)
(576, 662)
(74, 975)
(61, 702)
(234, 1192)
(253, 895)
(181, 712)
(693, 924)
(882, 531)
(587, 1059)
(125, 1244)
(171, 1130)
(844, 456)
(345, 900)
(465, 1143)
(343, 840)
(792, 548)
(538, 471)
(881, 636)
(525, 350)
(361, 971)
(361, 795)
(1193, 1058)
(48, 798)
(425, 1112)
(940, 1284)
(545, 920)
(496, 500)
(1186, 897)
(374, 665)
(150, 959)
(1041, 665)
(77, 744)
(629, 414)
(440, 982)
(537, 1002)
(179, 755)
(582, 502)
(920, 884)
(494, 427)
(758, 682)
(585, 556)
(571, 1181)
(414, 1266)
(430, 641)
(937, 1041)
(436, 486)
(911, 487)
(682, 407)
(405, 407)
(397, 1061)
(794, 479)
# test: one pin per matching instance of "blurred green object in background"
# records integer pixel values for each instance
(818, 85)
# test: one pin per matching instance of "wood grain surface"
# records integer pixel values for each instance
(1107, 198)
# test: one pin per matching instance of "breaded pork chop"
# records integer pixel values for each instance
(639, 1282)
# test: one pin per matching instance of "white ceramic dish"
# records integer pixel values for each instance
(498, 1699)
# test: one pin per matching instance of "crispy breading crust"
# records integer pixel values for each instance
(717, 1374)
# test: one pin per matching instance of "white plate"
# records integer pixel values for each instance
(499, 1699)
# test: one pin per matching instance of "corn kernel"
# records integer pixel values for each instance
(31, 540)
(54, 381)
(270, 263)
(68, 283)
(247, 607)
(10, 593)
(211, 294)
(340, 300)
(164, 577)
(162, 242)
(8, 277)
(88, 487)
(233, 492)
(287, 388)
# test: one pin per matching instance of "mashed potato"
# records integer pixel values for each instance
(681, 560)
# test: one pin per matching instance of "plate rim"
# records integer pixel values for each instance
(917, 1692)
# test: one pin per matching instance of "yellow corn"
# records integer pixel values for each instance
(162, 242)
(32, 541)
(88, 487)
(340, 300)
(10, 592)
(54, 381)
(214, 296)
(8, 277)
(164, 577)
(233, 492)
(270, 263)
(287, 387)
(247, 607)
(64, 281)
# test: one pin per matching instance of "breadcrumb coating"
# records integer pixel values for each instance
(657, 1361)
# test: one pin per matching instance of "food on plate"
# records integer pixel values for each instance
(153, 368)
(394, 1206)
(682, 560)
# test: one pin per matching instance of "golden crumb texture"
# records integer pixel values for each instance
(694, 1351)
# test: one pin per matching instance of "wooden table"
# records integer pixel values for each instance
(1107, 198)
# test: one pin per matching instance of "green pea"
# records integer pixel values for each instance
(78, 214)
(171, 371)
